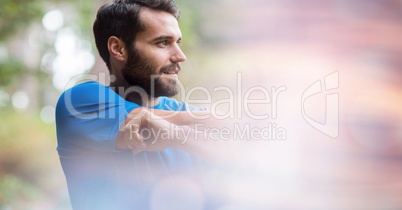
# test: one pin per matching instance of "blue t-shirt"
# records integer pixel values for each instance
(88, 118)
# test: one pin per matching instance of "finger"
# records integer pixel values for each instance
(134, 139)
(132, 136)
(138, 141)
(137, 145)
(129, 131)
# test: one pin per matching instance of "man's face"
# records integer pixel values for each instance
(155, 59)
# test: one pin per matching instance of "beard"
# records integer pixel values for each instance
(139, 72)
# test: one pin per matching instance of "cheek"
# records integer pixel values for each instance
(159, 58)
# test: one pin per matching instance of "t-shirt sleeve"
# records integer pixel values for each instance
(88, 118)
(174, 105)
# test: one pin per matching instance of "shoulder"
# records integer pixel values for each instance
(92, 97)
(84, 91)
(88, 93)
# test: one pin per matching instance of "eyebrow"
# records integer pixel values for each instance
(159, 38)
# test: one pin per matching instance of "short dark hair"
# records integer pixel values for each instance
(121, 19)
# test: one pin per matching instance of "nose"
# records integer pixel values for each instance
(177, 55)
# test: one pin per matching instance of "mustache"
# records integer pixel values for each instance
(172, 66)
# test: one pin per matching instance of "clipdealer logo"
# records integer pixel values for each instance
(238, 102)
(331, 84)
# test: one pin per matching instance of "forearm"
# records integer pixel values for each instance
(155, 130)
(194, 139)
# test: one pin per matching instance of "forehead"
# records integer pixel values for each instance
(158, 23)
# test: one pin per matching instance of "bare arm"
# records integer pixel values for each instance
(155, 130)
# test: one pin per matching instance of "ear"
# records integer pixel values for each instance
(116, 48)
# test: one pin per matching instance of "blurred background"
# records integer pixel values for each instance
(270, 44)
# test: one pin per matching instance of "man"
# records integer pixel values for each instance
(107, 161)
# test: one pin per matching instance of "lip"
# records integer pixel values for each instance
(171, 72)
(172, 75)
(171, 69)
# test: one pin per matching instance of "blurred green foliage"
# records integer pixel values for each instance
(16, 17)
(10, 69)
(18, 14)
(29, 171)
(13, 189)
(189, 23)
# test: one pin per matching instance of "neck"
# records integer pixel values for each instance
(128, 92)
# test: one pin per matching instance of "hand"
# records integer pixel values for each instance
(132, 137)
(160, 134)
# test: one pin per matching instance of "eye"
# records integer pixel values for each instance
(162, 43)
